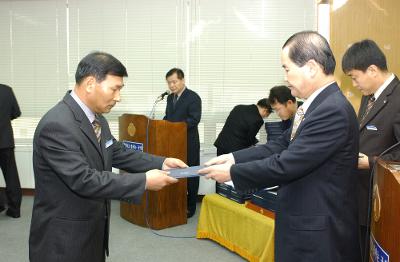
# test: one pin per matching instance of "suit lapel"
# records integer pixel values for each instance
(379, 103)
(103, 138)
(363, 106)
(315, 103)
(332, 88)
(83, 121)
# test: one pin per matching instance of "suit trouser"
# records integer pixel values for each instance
(10, 173)
(364, 243)
(192, 190)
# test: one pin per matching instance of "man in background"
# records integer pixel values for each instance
(379, 119)
(184, 105)
(313, 162)
(284, 104)
(241, 127)
(73, 155)
(9, 110)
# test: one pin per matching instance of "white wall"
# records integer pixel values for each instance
(23, 157)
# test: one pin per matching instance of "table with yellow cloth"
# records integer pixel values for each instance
(241, 230)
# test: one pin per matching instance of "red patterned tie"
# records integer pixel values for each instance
(371, 101)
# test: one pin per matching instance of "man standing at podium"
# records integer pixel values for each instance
(313, 162)
(184, 105)
(379, 118)
(73, 153)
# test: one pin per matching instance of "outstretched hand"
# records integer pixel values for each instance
(157, 179)
(170, 163)
(222, 159)
(220, 173)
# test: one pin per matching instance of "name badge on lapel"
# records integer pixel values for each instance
(109, 143)
(372, 127)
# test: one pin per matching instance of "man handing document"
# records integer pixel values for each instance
(313, 162)
(73, 153)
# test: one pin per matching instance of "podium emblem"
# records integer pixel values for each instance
(376, 203)
(131, 129)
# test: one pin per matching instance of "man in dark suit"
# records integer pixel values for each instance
(379, 118)
(241, 127)
(184, 105)
(9, 110)
(73, 153)
(313, 162)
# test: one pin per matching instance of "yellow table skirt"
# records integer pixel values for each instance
(241, 230)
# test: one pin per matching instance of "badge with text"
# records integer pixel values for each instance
(133, 145)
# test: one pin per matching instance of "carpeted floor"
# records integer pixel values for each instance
(128, 242)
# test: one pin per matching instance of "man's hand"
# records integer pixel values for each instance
(222, 159)
(363, 162)
(157, 179)
(170, 163)
(220, 173)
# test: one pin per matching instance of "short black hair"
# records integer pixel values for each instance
(280, 94)
(178, 71)
(363, 54)
(99, 65)
(264, 103)
(307, 45)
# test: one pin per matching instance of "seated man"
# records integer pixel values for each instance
(241, 127)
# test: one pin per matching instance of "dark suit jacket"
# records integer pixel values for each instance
(384, 116)
(316, 216)
(9, 110)
(73, 182)
(240, 129)
(187, 109)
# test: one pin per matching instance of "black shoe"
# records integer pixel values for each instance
(14, 214)
(2, 208)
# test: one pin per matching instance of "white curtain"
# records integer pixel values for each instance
(229, 51)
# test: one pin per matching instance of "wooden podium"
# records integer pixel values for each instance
(385, 216)
(167, 207)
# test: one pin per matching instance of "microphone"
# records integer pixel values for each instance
(371, 182)
(164, 94)
(159, 99)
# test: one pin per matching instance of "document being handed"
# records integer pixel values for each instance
(185, 172)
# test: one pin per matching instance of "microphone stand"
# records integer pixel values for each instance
(153, 109)
(152, 116)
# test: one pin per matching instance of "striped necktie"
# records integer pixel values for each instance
(97, 129)
(297, 120)
(371, 101)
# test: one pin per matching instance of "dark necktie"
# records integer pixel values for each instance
(97, 129)
(174, 100)
(371, 101)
